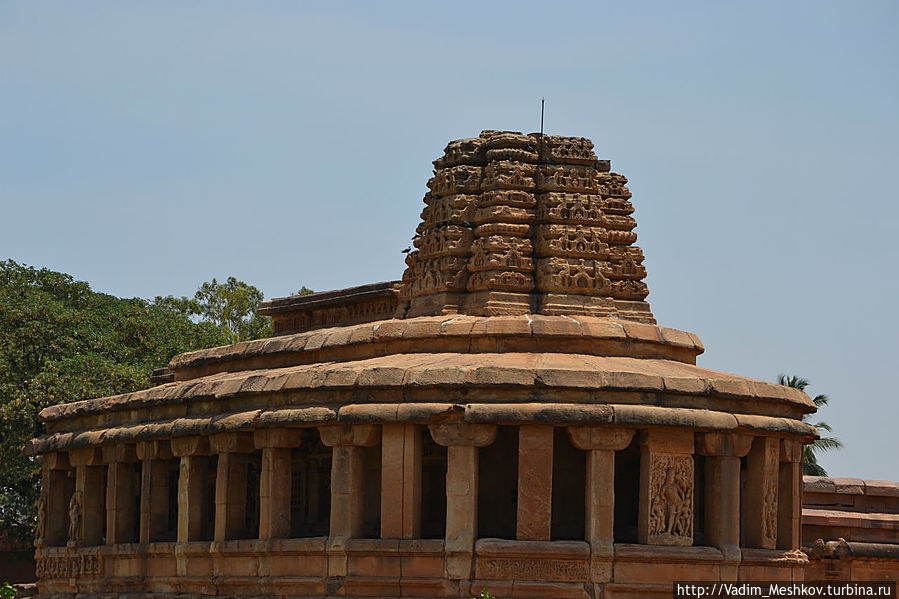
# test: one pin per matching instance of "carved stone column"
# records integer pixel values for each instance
(87, 510)
(231, 483)
(122, 486)
(347, 486)
(760, 511)
(666, 488)
(722, 491)
(275, 480)
(54, 479)
(194, 452)
(400, 481)
(154, 489)
(535, 482)
(789, 504)
(462, 442)
(600, 443)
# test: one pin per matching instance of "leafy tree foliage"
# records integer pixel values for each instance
(232, 305)
(61, 342)
(810, 453)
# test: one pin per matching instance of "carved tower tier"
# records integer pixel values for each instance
(525, 224)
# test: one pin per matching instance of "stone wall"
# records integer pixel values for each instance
(850, 528)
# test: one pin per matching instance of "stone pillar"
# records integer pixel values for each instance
(722, 491)
(52, 516)
(154, 489)
(87, 510)
(760, 510)
(462, 442)
(666, 487)
(231, 483)
(194, 452)
(789, 504)
(600, 443)
(535, 482)
(275, 481)
(122, 487)
(400, 481)
(347, 486)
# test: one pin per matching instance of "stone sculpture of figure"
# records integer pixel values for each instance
(75, 508)
(674, 499)
(770, 514)
(40, 530)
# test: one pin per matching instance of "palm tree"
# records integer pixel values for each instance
(810, 463)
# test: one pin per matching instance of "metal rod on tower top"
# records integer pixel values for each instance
(542, 102)
(540, 147)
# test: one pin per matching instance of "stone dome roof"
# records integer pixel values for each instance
(523, 301)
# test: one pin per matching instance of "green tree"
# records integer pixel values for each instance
(60, 342)
(810, 453)
(232, 305)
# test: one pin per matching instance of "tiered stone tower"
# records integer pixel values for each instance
(525, 224)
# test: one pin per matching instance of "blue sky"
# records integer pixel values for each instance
(150, 146)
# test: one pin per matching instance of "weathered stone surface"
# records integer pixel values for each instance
(521, 312)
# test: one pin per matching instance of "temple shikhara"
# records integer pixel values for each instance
(508, 415)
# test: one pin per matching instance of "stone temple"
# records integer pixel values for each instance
(509, 415)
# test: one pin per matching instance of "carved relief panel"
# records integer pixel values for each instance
(456, 179)
(576, 179)
(69, 566)
(462, 151)
(577, 241)
(671, 499)
(568, 150)
(567, 275)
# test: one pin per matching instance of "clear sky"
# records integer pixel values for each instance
(146, 147)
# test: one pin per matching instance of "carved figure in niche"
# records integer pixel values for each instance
(75, 513)
(513, 257)
(770, 529)
(671, 510)
(41, 528)
(674, 500)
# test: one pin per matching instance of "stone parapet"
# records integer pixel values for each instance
(299, 313)
(455, 333)
(851, 509)
(850, 528)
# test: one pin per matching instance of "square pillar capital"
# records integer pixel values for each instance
(354, 435)
(157, 449)
(791, 450)
(190, 446)
(57, 460)
(121, 452)
(232, 443)
(287, 438)
(723, 444)
(463, 433)
(600, 437)
(86, 456)
(667, 441)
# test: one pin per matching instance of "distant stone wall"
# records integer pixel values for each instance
(850, 528)
(355, 305)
